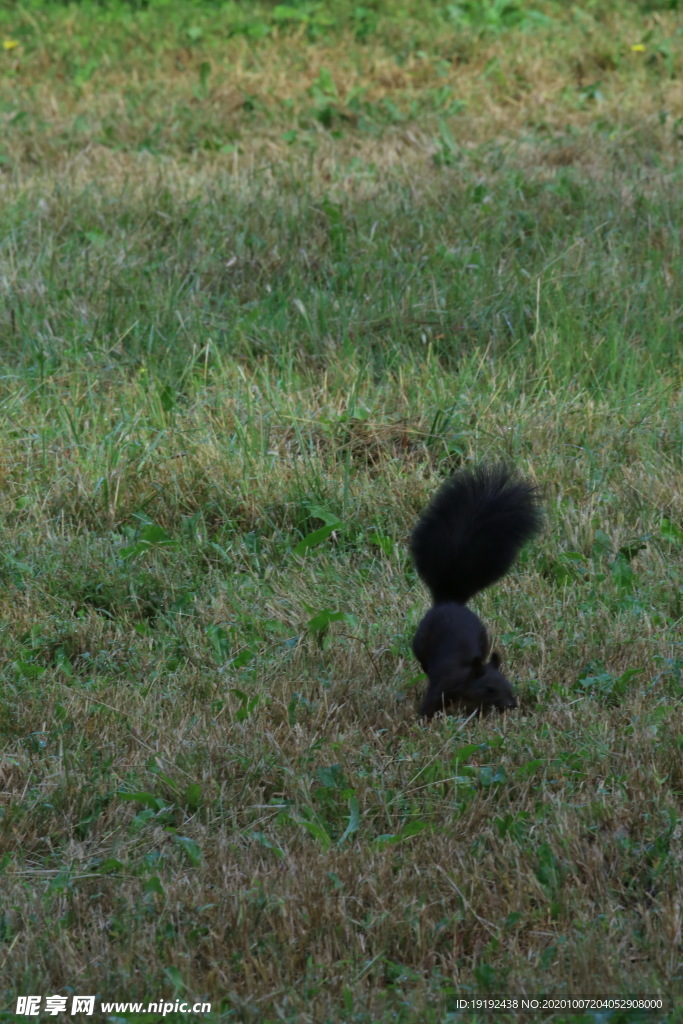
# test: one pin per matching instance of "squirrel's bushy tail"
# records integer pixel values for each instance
(469, 535)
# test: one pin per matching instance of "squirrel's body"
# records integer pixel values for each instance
(467, 539)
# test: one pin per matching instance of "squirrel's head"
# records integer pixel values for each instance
(478, 685)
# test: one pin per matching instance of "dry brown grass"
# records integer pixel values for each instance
(227, 344)
(553, 84)
(563, 875)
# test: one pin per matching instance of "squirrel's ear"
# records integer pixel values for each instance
(478, 666)
(495, 659)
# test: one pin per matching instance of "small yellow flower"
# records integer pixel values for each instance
(9, 44)
(638, 48)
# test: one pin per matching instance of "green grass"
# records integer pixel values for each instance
(267, 275)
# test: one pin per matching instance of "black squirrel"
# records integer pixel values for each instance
(467, 539)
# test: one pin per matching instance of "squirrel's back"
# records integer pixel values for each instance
(471, 532)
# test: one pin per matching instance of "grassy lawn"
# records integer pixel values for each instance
(268, 274)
